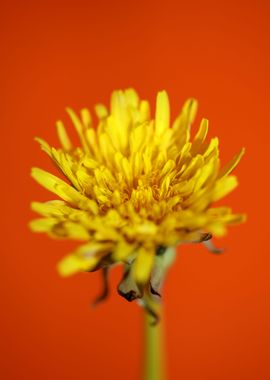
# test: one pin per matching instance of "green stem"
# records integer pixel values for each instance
(154, 366)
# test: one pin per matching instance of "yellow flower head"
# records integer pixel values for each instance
(134, 186)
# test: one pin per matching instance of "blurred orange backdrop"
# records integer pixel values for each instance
(74, 53)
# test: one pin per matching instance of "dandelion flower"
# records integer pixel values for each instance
(134, 188)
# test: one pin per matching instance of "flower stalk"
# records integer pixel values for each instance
(154, 365)
(154, 354)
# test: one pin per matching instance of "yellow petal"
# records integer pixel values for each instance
(101, 111)
(211, 147)
(59, 187)
(186, 116)
(234, 218)
(122, 251)
(64, 162)
(195, 164)
(137, 138)
(52, 208)
(79, 128)
(49, 181)
(219, 211)
(190, 110)
(42, 225)
(86, 258)
(76, 121)
(168, 167)
(44, 145)
(200, 136)
(217, 229)
(63, 136)
(75, 231)
(143, 264)
(144, 111)
(227, 169)
(73, 264)
(126, 170)
(86, 118)
(223, 187)
(162, 119)
(132, 97)
(91, 139)
(206, 174)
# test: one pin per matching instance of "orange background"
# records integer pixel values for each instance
(59, 53)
